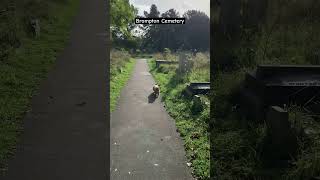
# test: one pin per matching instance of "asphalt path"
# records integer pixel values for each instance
(144, 142)
(65, 132)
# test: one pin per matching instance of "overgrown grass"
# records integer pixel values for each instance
(307, 164)
(25, 67)
(122, 66)
(236, 142)
(191, 123)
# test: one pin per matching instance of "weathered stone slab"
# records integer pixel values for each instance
(282, 139)
(276, 85)
(196, 88)
(159, 62)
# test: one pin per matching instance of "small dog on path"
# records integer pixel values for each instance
(156, 90)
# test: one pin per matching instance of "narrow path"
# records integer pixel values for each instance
(65, 133)
(144, 141)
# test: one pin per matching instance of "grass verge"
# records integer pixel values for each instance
(192, 126)
(25, 67)
(238, 142)
(118, 81)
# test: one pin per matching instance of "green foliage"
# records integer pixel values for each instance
(118, 59)
(307, 164)
(233, 147)
(166, 53)
(35, 9)
(193, 35)
(121, 69)
(193, 127)
(122, 25)
(154, 13)
(15, 17)
(9, 33)
(200, 71)
(286, 36)
(122, 18)
(276, 32)
(197, 35)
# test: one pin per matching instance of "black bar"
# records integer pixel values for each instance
(160, 21)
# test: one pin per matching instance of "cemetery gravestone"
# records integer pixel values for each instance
(35, 25)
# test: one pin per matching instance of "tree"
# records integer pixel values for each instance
(196, 31)
(151, 39)
(226, 31)
(122, 18)
(169, 34)
(154, 13)
(192, 35)
(171, 13)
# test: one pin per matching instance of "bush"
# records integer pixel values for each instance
(288, 36)
(9, 30)
(307, 164)
(200, 71)
(15, 19)
(118, 58)
(167, 55)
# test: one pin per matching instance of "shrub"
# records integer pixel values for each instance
(200, 71)
(117, 60)
(9, 31)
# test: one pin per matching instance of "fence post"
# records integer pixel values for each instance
(35, 24)
(183, 63)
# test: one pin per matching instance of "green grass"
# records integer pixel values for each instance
(237, 142)
(25, 67)
(192, 126)
(118, 81)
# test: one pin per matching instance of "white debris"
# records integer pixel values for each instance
(129, 172)
(115, 143)
(148, 151)
(189, 164)
(115, 169)
(156, 164)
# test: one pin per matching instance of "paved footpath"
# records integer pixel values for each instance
(65, 133)
(144, 142)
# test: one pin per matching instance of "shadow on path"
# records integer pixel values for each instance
(151, 98)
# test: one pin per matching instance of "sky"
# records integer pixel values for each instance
(180, 5)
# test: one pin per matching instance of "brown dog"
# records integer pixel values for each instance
(156, 90)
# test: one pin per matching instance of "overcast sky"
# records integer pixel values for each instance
(180, 5)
